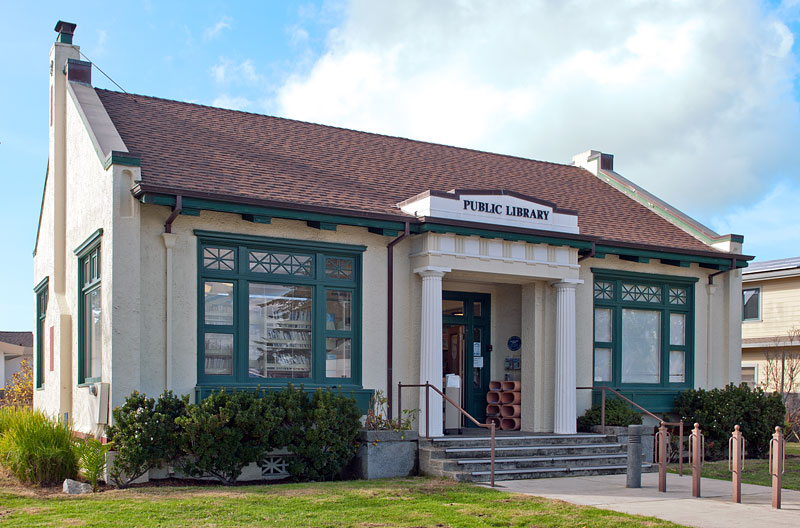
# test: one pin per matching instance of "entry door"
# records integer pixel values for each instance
(465, 347)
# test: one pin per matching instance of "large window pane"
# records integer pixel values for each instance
(450, 307)
(602, 325)
(218, 354)
(677, 366)
(641, 346)
(219, 303)
(280, 320)
(750, 300)
(677, 329)
(337, 357)
(338, 306)
(94, 334)
(602, 364)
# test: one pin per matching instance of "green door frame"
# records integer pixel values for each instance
(474, 398)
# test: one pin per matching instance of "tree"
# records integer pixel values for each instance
(19, 393)
(782, 368)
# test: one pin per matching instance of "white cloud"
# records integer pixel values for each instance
(695, 99)
(770, 226)
(232, 102)
(226, 71)
(216, 30)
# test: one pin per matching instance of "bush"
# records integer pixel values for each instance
(719, 410)
(325, 441)
(37, 449)
(92, 460)
(227, 431)
(145, 434)
(618, 413)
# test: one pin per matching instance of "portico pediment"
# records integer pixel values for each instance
(493, 207)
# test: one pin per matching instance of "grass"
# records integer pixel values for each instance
(755, 471)
(409, 502)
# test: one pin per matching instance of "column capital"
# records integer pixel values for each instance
(432, 271)
(566, 284)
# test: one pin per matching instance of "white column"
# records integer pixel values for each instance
(565, 410)
(430, 349)
(169, 244)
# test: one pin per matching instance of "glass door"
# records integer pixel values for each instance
(465, 347)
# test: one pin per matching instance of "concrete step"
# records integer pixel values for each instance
(521, 463)
(554, 472)
(504, 441)
(533, 450)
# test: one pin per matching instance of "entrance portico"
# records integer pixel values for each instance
(538, 282)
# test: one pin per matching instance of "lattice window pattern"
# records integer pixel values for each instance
(339, 268)
(281, 263)
(222, 259)
(603, 290)
(640, 292)
(677, 296)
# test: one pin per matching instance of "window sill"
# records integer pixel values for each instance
(88, 382)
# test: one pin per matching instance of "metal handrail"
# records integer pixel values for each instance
(679, 424)
(427, 387)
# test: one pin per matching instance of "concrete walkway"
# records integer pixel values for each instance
(714, 509)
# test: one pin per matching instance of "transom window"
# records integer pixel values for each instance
(643, 330)
(273, 311)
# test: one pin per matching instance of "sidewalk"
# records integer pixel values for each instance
(714, 509)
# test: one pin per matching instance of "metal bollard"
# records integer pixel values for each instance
(777, 459)
(736, 452)
(696, 457)
(634, 473)
(662, 436)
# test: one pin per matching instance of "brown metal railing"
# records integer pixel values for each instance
(679, 424)
(427, 387)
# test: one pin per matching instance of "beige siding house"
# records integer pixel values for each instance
(192, 248)
(15, 347)
(771, 324)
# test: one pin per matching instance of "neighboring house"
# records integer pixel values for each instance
(15, 347)
(192, 248)
(771, 324)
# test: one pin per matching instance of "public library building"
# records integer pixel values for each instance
(193, 248)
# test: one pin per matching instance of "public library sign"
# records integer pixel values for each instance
(496, 207)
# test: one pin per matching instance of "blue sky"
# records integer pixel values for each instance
(698, 101)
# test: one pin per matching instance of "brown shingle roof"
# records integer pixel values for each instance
(238, 155)
(24, 339)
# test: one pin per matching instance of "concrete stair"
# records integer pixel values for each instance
(523, 456)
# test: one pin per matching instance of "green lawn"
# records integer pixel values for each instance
(755, 471)
(398, 502)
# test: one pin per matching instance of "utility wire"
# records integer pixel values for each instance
(104, 73)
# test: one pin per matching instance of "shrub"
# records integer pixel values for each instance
(618, 413)
(19, 393)
(37, 449)
(92, 460)
(719, 410)
(145, 434)
(325, 443)
(227, 431)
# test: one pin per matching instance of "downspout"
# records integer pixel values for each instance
(169, 244)
(390, 318)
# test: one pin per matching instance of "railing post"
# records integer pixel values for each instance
(736, 453)
(603, 410)
(680, 449)
(427, 410)
(696, 456)
(776, 465)
(399, 399)
(492, 453)
(661, 450)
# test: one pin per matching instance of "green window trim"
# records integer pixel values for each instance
(619, 295)
(89, 290)
(300, 283)
(42, 295)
